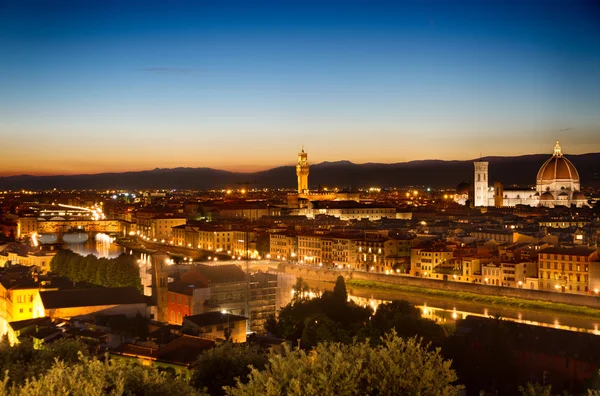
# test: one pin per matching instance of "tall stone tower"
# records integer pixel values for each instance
(160, 285)
(302, 172)
(498, 195)
(481, 183)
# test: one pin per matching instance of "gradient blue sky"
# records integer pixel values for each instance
(87, 86)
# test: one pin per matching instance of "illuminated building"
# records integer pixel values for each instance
(557, 184)
(302, 172)
(423, 261)
(350, 210)
(305, 195)
(568, 270)
(40, 260)
(283, 246)
(66, 304)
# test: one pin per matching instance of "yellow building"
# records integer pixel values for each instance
(40, 260)
(17, 300)
(283, 246)
(424, 260)
(161, 228)
(310, 249)
(566, 269)
(340, 251)
(26, 226)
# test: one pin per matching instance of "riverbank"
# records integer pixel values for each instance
(513, 302)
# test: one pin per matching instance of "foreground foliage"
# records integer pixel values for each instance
(92, 377)
(22, 361)
(331, 317)
(121, 271)
(221, 366)
(395, 367)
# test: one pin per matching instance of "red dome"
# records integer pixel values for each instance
(557, 168)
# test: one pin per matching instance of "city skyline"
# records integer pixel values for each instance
(107, 87)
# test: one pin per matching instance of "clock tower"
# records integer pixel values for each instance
(302, 172)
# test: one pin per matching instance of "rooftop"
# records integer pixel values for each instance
(91, 297)
(214, 318)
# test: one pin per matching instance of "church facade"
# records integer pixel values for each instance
(557, 184)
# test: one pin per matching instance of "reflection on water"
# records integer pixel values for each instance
(443, 315)
(101, 245)
(443, 310)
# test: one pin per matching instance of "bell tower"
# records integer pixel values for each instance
(302, 172)
(481, 183)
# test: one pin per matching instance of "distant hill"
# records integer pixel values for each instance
(520, 170)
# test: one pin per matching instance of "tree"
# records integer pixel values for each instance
(406, 320)
(22, 361)
(396, 367)
(535, 390)
(350, 319)
(300, 290)
(92, 377)
(219, 367)
(122, 271)
(339, 290)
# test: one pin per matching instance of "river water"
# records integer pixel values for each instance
(448, 311)
(100, 245)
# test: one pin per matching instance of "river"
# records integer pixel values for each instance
(100, 245)
(447, 310)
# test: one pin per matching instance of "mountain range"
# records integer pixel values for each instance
(521, 170)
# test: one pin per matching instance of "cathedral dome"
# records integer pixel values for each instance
(557, 168)
(547, 197)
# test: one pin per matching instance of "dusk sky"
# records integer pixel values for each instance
(89, 87)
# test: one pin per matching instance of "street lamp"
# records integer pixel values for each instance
(228, 331)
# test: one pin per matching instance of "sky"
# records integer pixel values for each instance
(104, 86)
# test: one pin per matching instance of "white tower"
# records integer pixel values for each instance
(480, 183)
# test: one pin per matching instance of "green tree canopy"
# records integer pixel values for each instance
(220, 366)
(341, 320)
(406, 320)
(22, 361)
(339, 290)
(92, 377)
(395, 367)
(121, 271)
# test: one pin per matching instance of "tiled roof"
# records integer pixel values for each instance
(91, 297)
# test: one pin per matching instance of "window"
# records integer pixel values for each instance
(20, 310)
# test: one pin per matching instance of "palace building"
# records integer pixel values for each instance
(557, 184)
(305, 195)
